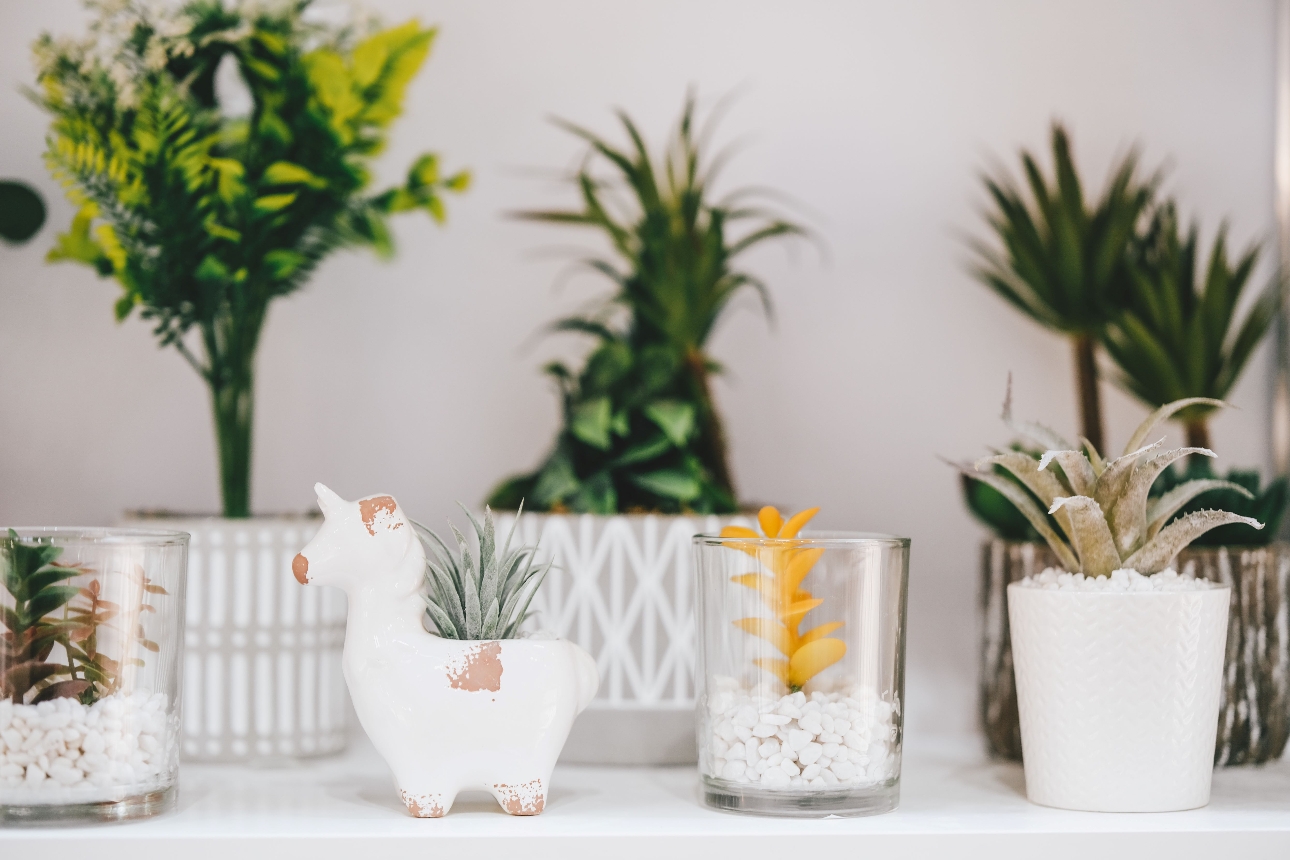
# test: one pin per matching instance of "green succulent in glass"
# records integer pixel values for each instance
(205, 217)
(641, 431)
(1062, 261)
(1178, 333)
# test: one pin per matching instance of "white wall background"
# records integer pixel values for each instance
(420, 377)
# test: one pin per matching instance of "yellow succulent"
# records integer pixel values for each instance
(805, 654)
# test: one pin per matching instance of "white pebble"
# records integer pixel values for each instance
(734, 769)
(789, 768)
(769, 748)
(763, 730)
(811, 771)
(776, 719)
(798, 739)
(810, 753)
(844, 770)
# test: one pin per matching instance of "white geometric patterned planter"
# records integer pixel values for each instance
(262, 665)
(1118, 695)
(622, 588)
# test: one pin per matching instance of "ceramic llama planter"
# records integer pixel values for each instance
(447, 715)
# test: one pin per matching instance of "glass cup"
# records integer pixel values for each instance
(801, 672)
(90, 658)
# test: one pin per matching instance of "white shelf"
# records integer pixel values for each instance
(952, 801)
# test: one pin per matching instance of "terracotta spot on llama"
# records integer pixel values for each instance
(374, 506)
(423, 805)
(300, 568)
(479, 668)
(527, 798)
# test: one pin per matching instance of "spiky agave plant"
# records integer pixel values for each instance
(484, 597)
(1105, 517)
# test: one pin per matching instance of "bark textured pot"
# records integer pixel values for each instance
(623, 589)
(1118, 695)
(1254, 714)
(446, 714)
(262, 673)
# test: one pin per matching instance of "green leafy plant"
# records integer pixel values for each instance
(641, 429)
(36, 583)
(1265, 503)
(93, 673)
(1178, 333)
(483, 596)
(1061, 262)
(22, 211)
(205, 218)
(1105, 518)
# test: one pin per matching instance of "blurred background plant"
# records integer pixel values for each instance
(1061, 263)
(1179, 334)
(641, 428)
(22, 211)
(203, 215)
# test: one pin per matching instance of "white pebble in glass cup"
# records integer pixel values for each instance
(773, 742)
(89, 673)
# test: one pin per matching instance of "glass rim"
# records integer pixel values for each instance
(823, 538)
(97, 535)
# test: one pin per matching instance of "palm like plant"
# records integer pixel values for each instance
(641, 429)
(1062, 263)
(1179, 334)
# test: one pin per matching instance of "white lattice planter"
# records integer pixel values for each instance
(262, 666)
(622, 588)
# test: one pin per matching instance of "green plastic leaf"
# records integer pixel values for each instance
(674, 417)
(670, 483)
(590, 422)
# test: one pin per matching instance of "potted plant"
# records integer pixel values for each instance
(205, 211)
(1118, 659)
(475, 704)
(641, 464)
(1179, 334)
(1063, 263)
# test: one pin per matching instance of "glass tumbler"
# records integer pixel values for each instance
(801, 672)
(90, 657)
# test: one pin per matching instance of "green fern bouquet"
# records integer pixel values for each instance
(205, 217)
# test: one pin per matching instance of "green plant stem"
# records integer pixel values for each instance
(714, 433)
(1090, 398)
(231, 347)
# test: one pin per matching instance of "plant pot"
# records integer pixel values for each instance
(801, 715)
(89, 731)
(1118, 695)
(445, 714)
(262, 675)
(1254, 718)
(622, 588)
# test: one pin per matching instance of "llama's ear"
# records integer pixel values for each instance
(327, 500)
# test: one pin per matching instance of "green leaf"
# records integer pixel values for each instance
(674, 417)
(274, 202)
(669, 483)
(286, 173)
(590, 422)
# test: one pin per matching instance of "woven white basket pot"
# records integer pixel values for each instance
(262, 665)
(1119, 695)
(622, 588)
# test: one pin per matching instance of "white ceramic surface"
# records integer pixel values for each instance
(623, 589)
(446, 715)
(262, 677)
(1119, 695)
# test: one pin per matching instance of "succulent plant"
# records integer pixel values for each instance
(479, 597)
(1105, 517)
(1264, 502)
(805, 654)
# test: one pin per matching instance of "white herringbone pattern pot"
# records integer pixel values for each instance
(1119, 695)
(262, 664)
(622, 588)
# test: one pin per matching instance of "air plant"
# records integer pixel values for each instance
(1105, 518)
(484, 596)
(805, 654)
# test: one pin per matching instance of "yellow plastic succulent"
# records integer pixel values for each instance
(805, 654)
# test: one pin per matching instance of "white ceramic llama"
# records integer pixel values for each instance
(446, 714)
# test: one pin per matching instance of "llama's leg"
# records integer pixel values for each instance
(427, 801)
(527, 797)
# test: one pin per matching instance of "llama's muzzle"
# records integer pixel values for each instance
(300, 567)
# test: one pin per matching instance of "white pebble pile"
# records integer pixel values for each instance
(62, 750)
(798, 742)
(1054, 579)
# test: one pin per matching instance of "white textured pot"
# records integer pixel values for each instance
(262, 673)
(1118, 694)
(622, 588)
(447, 715)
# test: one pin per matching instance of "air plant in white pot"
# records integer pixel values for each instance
(1118, 659)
